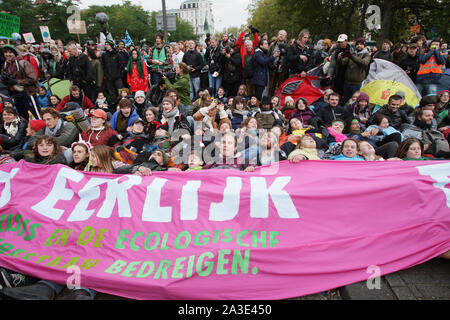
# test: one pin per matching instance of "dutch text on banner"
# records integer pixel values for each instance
(223, 234)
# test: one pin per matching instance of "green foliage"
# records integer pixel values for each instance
(140, 23)
(329, 18)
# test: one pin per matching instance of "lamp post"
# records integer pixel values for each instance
(164, 20)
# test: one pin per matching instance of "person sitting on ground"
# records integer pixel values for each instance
(80, 154)
(238, 112)
(100, 131)
(65, 132)
(306, 150)
(76, 96)
(46, 150)
(124, 117)
(349, 151)
(12, 130)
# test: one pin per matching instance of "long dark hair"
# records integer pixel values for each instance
(404, 147)
(57, 150)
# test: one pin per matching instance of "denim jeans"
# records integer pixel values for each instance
(428, 89)
(195, 86)
(349, 90)
(59, 287)
(214, 82)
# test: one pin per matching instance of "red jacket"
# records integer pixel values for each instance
(240, 45)
(87, 103)
(96, 138)
(136, 83)
(31, 59)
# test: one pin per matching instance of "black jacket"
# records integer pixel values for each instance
(297, 65)
(327, 115)
(232, 67)
(214, 59)
(395, 119)
(410, 64)
(194, 60)
(80, 70)
(11, 143)
(112, 65)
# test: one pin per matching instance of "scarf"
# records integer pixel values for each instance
(54, 131)
(12, 128)
(169, 117)
(139, 64)
(243, 113)
(340, 137)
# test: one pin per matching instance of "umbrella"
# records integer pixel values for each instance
(58, 87)
(380, 91)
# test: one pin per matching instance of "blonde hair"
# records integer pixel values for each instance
(105, 157)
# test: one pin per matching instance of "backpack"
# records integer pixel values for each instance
(248, 67)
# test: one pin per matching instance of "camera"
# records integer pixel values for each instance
(227, 49)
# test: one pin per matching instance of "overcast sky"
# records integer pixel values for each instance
(227, 13)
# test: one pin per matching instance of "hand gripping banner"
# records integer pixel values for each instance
(280, 232)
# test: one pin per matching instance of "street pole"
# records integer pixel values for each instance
(164, 20)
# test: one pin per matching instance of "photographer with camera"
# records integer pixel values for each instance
(410, 62)
(280, 74)
(181, 84)
(194, 60)
(299, 55)
(232, 70)
(20, 78)
(214, 63)
(432, 66)
(80, 70)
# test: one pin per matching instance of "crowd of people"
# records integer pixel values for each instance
(197, 106)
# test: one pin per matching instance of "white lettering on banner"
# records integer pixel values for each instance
(90, 192)
(440, 173)
(189, 200)
(259, 203)
(229, 207)
(118, 192)
(58, 192)
(152, 209)
(6, 179)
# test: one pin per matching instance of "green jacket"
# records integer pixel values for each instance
(183, 87)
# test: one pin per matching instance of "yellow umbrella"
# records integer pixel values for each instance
(379, 92)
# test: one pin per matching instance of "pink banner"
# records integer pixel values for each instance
(281, 232)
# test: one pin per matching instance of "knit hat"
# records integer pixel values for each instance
(361, 40)
(111, 43)
(266, 100)
(11, 48)
(165, 157)
(7, 99)
(287, 99)
(99, 114)
(427, 100)
(169, 100)
(139, 94)
(363, 96)
(137, 121)
(37, 125)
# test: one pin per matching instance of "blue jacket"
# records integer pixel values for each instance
(44, 101)
(261, 64)
(133, 117)
(431, 78)
(342, 157)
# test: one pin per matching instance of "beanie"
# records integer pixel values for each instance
(37, 125)
(287, 99)
(363, 96)
(427, 100)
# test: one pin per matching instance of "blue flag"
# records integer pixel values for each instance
(127, 39)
